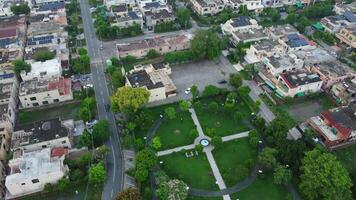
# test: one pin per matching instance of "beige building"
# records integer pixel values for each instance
(207, 7)
(162, 45)
(344, 92)
(154, 17)
(43, 134)
(154, 78)
(347, 35)
(37, 92)
(263, 48)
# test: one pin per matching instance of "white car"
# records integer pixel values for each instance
(188, 90)
(91, 124)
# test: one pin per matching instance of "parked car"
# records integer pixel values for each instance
(222, 82)
(188, 90)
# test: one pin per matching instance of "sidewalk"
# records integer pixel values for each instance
(235, 136)
(196, 121)
(177, 149)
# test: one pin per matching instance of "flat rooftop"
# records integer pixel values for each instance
(35, 85)
(38, 131)
(295, 79)
(252, 34)
(285, 60)
(283, 30)
(142, 79)
(265, 45)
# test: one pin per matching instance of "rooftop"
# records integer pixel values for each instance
(241, 21)
(53, 6)
(251, 35)
(315, 56)
(296, 40)
(35, 85)
(161, 14)
(342, 118)
(31, 165)
(38, 131)
(142, 79)
(119, 8)
(265, 45)
(282, 30)
(335, 69)
(9, 32)
(281, 61)
(39, 68)
(295, 79)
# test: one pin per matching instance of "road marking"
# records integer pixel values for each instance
(113, 155)
(112, 192)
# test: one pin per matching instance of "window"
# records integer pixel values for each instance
(44, 146)
(55, 100)
(35, 104)
(23, 183)
(35, 180)
(33, 98)
(44, 102)
(63, 142)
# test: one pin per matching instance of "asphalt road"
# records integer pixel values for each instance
(114, 182)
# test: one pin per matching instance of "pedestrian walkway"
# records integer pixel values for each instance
(235, 136)
(196, 122)
(177, 149)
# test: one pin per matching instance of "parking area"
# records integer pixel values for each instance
(201, 74)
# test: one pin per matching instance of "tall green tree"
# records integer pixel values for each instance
(170, 112)
(97, 174)
(101, 132)
(268, 158)
(206, 44)
(323, 177)
(183, 17)
(282, 175)
(184, 105)
(43, 55)
(20, 65)
(19, 9)
(128, 99)
(235, 80)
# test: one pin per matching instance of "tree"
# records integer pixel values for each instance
(156, 143)
(97, 174)
(85, 139)
(243, 10)
(213, 106)
(291, 18)
(170, 112)
(235, 80)
(244, 91)
(101, 132)
(253, 138)
(85, 114)
(282, 175)
(268, 158)
(206, 44)
(323, 177)
(128, 99)
(211, 90)
(216, 141)
(160, 177)
(145, 159)
(152, 54)
(82, 51)
(43, 55)
(129, 194)
(19, 9)
(63, 184)
(117, 79)
(194, 90)
(173, 189)
(184, 105)
(20, 65)
(84, 160)
(141, 174)
(101, 152)
(183, 17)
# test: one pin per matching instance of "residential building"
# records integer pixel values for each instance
(297, 42)
(273, 3)
(333, 24)
(43, 134)
(152, 18)
(119, 10)
(347, 35)
(162, 45)
(254, 5)
(42, 2)
(207, 7)
(264, 48)
(31, 171)
(288, 2)
(154, 78)
(252, 35)
(2, 180)
(129, 19)
(5, 7)
(332, 72)
(4, 147)
(283, 63)
(53, 8)
(344, 92)
(8, 99)
(38, 92)
(336, 127)
(340, 8)
(110, 3)
(280, 31)
(239, 24)
(12, 32)
(43, 70)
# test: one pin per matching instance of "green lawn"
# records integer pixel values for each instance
(347, 157)
(67, 111)
(262, 189)
(231, 155)
(203, 198)
(176, 132)
(223, 123)
(195, 171)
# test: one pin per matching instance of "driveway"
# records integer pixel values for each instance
(201, 74)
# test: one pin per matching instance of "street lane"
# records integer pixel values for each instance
(114, 181)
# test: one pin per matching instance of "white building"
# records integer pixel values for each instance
(239, 24)
(37, 92)
(278, 64)
(254, 5)
(48, 69)
(263, 48)
(333, 24)
(31, 171)
(43, 134)
(109, 3)
(154, 78)
(280, 31)
(207, 7)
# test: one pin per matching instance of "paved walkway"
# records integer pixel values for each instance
(177, 149)
(196, 121)
(235, 136)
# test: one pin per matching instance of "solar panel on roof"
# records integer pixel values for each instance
(293, 36)
(350, 16)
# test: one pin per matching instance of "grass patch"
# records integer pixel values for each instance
(195, 171)
(203, 198)
(262, 188)
(347, 157)
(176, 132)
(66, 111)
(231, 155)
(223, 123)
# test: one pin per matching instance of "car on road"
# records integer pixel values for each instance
(222, 82)
(188, 90)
